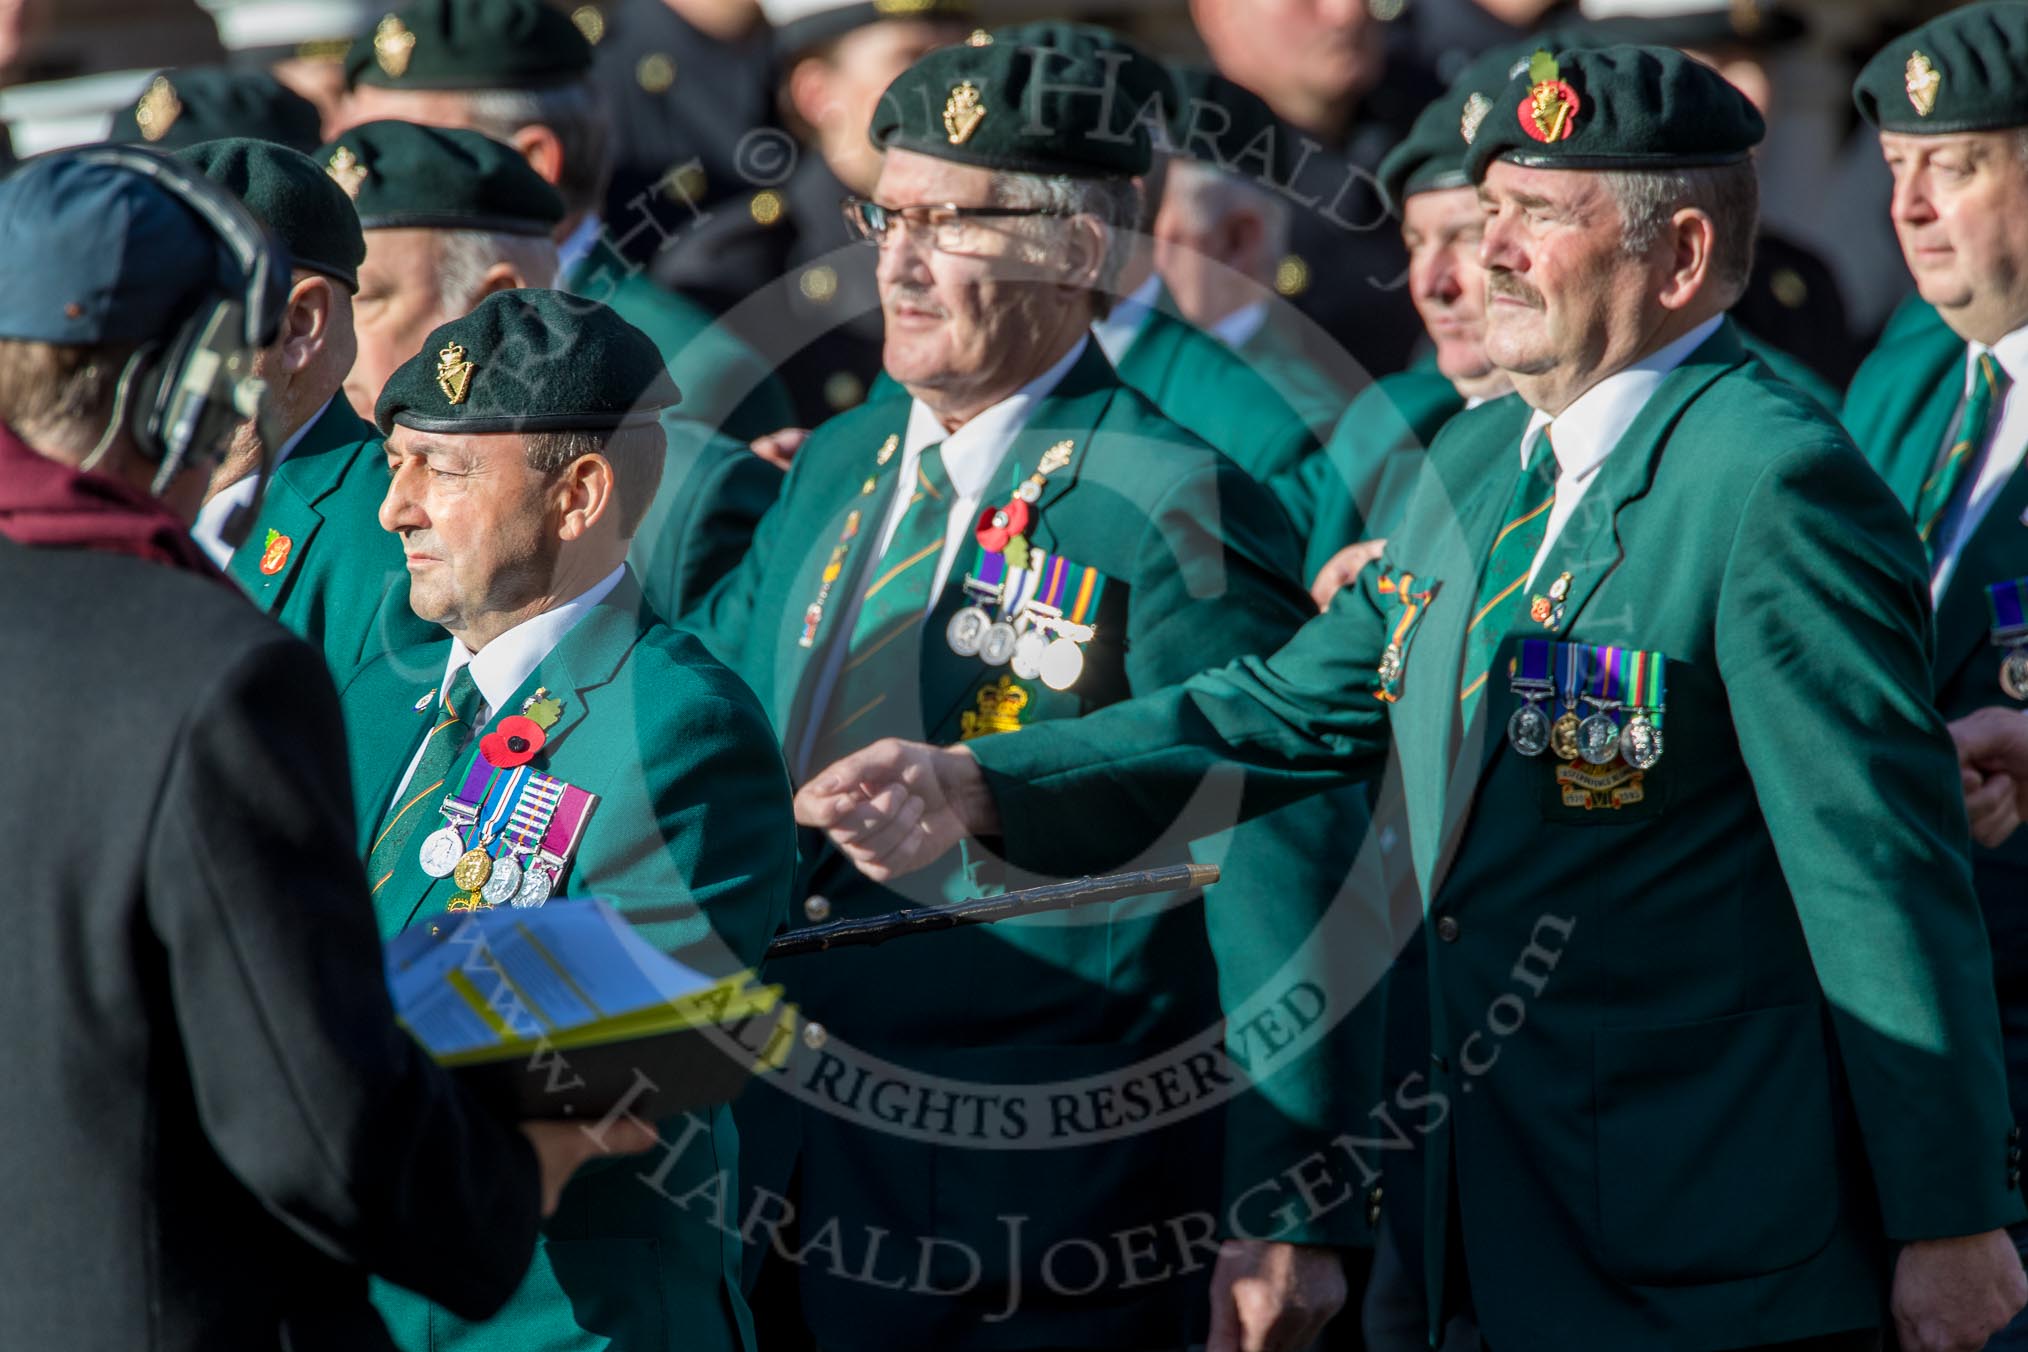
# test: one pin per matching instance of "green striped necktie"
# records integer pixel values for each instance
(452, 733)
(1975, 423)
(1500, 602)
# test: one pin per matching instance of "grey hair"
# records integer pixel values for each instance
(465, 256)
(1729, 194)
(1115, 203)
(1210, 194)
(636, 455)
(576, 112)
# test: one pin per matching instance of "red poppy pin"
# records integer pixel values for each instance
(1549, 112)
(275, 556)
(998, 525)
(514, 742)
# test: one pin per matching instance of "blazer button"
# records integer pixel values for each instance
(1439, 1062)
(2013, 1154)
(817, 909)
(1373, 1215)
(1447, 928)
(2013, 1136)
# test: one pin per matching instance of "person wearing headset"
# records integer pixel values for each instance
(216, 1128)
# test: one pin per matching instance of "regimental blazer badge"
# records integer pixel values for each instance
(158, 110)
(999, 710)
(346, 170)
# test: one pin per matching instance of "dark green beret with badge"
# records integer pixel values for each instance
(1227, 126)
(530, 361)
(1625, 108)
(182, 107)
(469, 44)
(1966, 71)
(291, 195)
(1047, 98)
(1432, 156)
(404, 175)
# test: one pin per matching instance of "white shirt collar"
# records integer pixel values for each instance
(2011, 352)
(1242, 324)
(973, 453)
(1117, 331)
(578, 243)
(213, 515)
(1587, 431)
(499, 668)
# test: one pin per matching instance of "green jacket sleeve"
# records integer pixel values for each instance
(1084, 794)
(1822, 631)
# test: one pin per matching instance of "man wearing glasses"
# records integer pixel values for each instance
(1023, 538)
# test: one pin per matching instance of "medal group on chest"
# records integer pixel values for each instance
(509, 830)
(1596, 707)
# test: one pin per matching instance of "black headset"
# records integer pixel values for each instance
(182, 395)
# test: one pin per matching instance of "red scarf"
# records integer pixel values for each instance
(46, 504)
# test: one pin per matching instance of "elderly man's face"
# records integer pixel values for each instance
(1565, 301)
(399, 302)
(478, 525)
(1961, 214)
(1323, 49)
(1442, 230)
(963, 325)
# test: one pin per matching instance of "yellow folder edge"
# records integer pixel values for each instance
(731, 1001)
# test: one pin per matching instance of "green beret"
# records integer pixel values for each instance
(1966, 71)
(437, 178)
(530, 361)
(1229, 127)
(182, 107)
(1041, 98)
(290, 194)
(1615, 108)
(1432, 156)
(469, 44)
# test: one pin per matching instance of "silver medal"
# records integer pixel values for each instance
(1641, 743)
(967, 630)
(2014, 673)
(996, 649)
(1028, 650)
(441, 849)
(535, 887)
(1390, 665)
(1598, 739)
(503, 883)
(1062, 664)
(1528, 729)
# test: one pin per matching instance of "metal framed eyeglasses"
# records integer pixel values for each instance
(946, 227)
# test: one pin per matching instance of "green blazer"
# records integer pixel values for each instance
(1696, 1057)
(1903, 405)
(1207, 389)
(693, 839)
(342, 583)
(1199, 566)
(1275, 352)
(714, 491)
(725, 384)
(1354, 487)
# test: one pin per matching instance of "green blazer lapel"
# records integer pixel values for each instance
(1927, 387)
(315, 469)
(273, 552)
(1072, 412)
(1997, 552)
(797, 666)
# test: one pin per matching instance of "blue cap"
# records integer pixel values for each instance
(92, 253)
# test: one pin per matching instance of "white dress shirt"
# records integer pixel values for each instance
(1129, 315)
(972, 456)
(499, 668)
(213, 515)
(1584, 434)
(1241, 324)
(1995, 462)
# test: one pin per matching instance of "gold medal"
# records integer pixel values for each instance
(473, 868)
(1563, 736)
